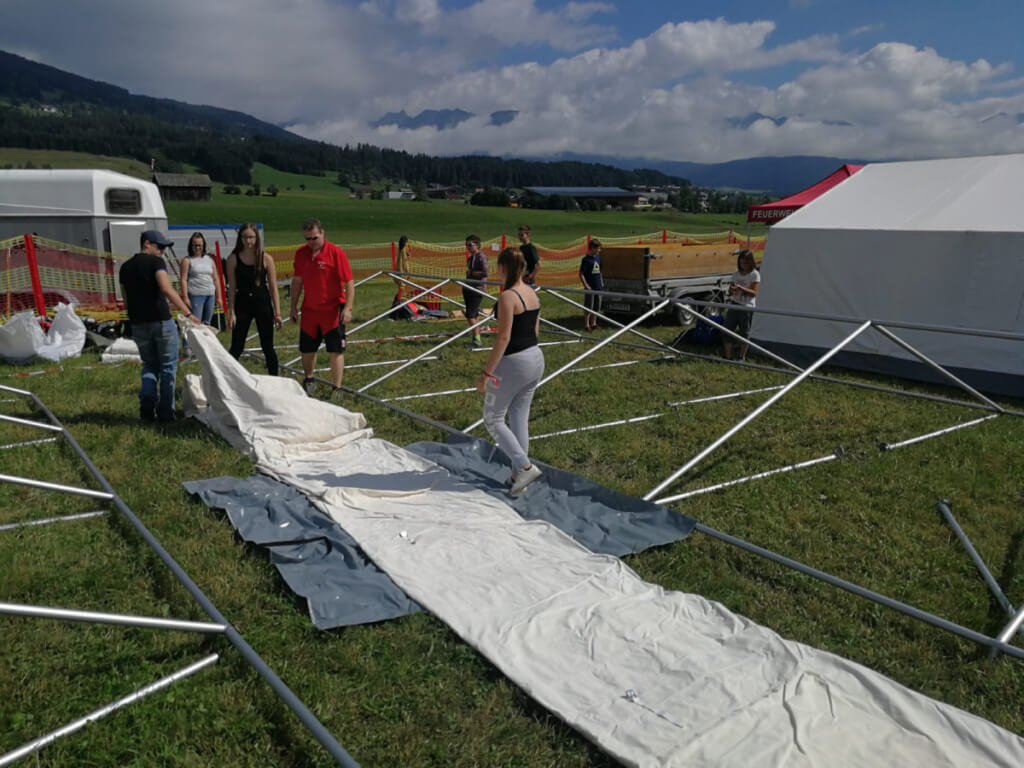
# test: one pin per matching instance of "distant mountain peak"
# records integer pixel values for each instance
(503, 116)
(436, 118)
(748, 120)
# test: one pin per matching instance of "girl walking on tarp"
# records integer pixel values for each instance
(252, 295)
(514, 369)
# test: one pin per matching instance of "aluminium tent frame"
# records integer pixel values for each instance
(218, 625)
(997, 645)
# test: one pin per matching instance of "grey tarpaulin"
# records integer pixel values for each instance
(602, 520)
(323, 564)
(315, 557)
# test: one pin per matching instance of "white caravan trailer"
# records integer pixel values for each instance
(99, 210)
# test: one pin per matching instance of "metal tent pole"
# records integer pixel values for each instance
(43, 485)
(28, 423)
(740, 339)
(29, 442)
(648, 417)
(609, 320)
(740, 480)
(50, 520)
(543, 320)
(120, 619)
(316, 728)
(1009, 631)
(405, 303)
(77, 725)
(430, 351)
(943, 508)
(657, 308)
(935, 366)
(848, 383)
(756, 412)
(379, 363)
(937, 433)
(875, 597)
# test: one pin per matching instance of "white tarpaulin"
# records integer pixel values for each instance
(655, 678)
(934, 242)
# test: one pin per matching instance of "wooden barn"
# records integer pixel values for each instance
(183, 186)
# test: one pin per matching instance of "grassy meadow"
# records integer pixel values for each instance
(408, 692)
(350, 221)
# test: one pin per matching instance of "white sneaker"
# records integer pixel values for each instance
(524, 478)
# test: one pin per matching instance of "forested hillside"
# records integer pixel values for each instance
(45, 108)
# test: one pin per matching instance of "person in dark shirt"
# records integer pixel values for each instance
(530, 255)
(590, 276)
(476, 273)
(147, 289)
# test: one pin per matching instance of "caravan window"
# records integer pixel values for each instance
(124, 201)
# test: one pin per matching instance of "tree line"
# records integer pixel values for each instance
(228, 156)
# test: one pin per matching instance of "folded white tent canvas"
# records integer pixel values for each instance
(936, 242)
(121, 351)
(655, 678)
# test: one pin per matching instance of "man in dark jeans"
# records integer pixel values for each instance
(147, 289)
(530, 255)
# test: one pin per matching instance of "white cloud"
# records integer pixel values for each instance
(681, 92)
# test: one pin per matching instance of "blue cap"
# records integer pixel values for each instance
(156, 237)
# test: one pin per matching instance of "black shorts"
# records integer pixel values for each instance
(472, 300)
(334, 339)
(739, 321)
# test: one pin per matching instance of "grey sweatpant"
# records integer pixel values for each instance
(518, 375)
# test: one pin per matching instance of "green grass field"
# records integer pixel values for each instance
(354, 222)
(351, 221)
(409, 692)
(18, 157)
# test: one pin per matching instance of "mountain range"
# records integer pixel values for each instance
(25, 82)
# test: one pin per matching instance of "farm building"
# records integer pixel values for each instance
(931, 243)
(183, 186)
(607, 195)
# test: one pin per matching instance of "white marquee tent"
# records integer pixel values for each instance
(937, 242)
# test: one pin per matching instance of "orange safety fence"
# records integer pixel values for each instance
(36, 271)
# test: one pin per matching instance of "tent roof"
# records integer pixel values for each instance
(966, 194)
(769, 213)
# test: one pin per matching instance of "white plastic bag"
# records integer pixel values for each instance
(66, 336)
(21, 338)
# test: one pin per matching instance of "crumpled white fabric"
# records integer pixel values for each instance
(653, 677)
(65, 336)
(21, 338)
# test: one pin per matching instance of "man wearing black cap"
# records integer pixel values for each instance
(147, 289)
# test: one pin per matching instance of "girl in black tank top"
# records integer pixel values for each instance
(252, 295)
(513, 370)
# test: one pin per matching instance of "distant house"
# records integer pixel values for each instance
(362, 189)
(403, 194)
(440, 192)
(183, 186)
(607, 195)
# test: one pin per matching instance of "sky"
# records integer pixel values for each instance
(687, 80)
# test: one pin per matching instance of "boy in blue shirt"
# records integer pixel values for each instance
(590, 276)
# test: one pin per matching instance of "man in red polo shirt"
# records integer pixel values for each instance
(323, 273)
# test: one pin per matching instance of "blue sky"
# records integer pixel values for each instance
(703, 81)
